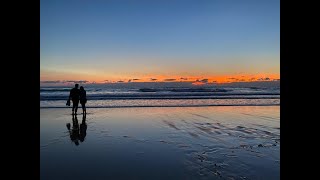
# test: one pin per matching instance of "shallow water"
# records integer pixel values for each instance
(232, 142)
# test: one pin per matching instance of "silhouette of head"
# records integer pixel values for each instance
(76, 86)
(81, 88)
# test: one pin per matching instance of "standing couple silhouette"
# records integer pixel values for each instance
(77, 95)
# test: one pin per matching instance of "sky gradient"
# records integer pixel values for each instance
(159, 40)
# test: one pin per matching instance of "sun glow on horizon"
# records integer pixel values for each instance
(200, 43)
(195, 80)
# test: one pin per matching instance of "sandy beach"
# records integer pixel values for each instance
(219, 142)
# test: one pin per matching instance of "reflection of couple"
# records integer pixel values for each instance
(77, 95)
(77, 133)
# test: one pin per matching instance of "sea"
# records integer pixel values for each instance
(165, 94)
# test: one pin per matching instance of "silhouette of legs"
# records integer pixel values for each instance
(75, 103)
(84, 108)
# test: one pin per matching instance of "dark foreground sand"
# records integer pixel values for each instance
(161, 143)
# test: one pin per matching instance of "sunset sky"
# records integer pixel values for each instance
(159, 40)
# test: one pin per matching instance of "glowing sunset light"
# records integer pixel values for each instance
(113, 42)
(196, 80)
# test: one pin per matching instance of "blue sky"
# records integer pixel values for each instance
(127, 35)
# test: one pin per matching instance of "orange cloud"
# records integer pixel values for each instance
(51, 76)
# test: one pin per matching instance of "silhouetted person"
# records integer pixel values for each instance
(83, 99)
(74, 132)
(75, 96)
(83, 128)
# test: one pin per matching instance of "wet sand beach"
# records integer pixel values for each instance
(218, 142)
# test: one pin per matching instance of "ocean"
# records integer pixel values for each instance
(167, 94)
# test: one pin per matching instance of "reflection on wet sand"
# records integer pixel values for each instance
(212, 147)
(77, 133)
(197, 143)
